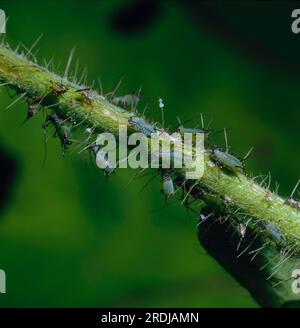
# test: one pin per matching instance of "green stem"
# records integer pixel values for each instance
(236, 199)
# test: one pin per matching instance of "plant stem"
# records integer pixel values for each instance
(234, 199)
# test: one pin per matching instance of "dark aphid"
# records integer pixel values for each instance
(167, 184)
(58, 90)
(142, 126)
(101, 159)
(61, 130)
(32, 110)
(130, 100)
(276, 233)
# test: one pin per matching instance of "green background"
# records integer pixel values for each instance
(69, 237)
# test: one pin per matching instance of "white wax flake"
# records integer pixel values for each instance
(88, 130)
(161, 103)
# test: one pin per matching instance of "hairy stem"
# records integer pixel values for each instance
(241, 217)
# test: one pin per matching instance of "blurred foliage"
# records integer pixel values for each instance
(68, 237)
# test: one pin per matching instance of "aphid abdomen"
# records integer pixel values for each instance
(142, 126)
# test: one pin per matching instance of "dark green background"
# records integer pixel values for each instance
(68, 237)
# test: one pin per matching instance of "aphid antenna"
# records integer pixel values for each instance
(295, 188)
(16, 100)
(277, 185)
(69, 62)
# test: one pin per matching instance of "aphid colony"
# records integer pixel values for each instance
(221, 157)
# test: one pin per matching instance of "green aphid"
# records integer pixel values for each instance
(142, 126)
(183, 130)
(130, 100)
(61, 130)
(167, 185)
(276, 234)
(228, 161)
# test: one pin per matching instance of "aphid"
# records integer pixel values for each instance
(242, 228)
(291, 201)
(130, 100)
(167, 184)
(58, 90)
(32, 110)
(183, 130)
(142, 126)
(61, 130)
(228, 161)
(276, 233)
(101, 159)
(204, 217)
